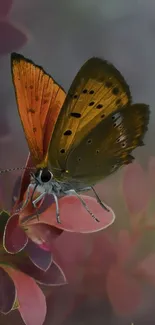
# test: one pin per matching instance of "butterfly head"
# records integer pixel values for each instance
(42, 176)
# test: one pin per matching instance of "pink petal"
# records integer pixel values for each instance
(123, 290)
(25, 180)
(151, 172)
(97, 265)
(4, 216)
(32, 303)
(43, 235)
(5, 7)
(136, 188)
(41, 258)
(14, 239)
(11, 38)
(70, 251)
(8, 291)
(16, 189)
(74, 217)
(54, 276)
(147, 267)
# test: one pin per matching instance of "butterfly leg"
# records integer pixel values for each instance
(99, 200)
(57, 207)
(34, 202)
(27, 196)
(83, 203)
(56, 202)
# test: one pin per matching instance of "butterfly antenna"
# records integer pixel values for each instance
(56, 168)
(15, 169)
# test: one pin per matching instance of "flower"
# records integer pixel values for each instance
(18, 276)
(18, 290)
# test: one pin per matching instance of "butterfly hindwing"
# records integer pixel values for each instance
(39, 101)
(97, 91)
(109, 145)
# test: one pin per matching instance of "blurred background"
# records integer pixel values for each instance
(104, 286)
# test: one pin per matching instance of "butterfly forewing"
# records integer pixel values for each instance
(109, 144)
(97, 91)
(39, 101)
(83, 136)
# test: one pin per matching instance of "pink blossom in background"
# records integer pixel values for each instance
(5, 7)
(115, 264)
(11, 37)
(136, 188)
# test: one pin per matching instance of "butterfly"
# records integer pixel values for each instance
(79, 138)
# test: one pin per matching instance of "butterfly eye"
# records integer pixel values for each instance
(91, 92)
(89, 141)
(79, 159)
(46, 175)
(97, 151)
(85, 91)
(62, 151)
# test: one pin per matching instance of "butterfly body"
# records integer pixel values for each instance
(54, 186)
(80, 138)
(45, 183)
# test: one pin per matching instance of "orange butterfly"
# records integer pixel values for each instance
(76, 140)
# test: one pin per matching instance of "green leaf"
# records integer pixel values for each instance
(4, 216)
(15, 305)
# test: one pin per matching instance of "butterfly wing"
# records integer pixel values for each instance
(109, 145)
(39, 101)
(97, 91)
